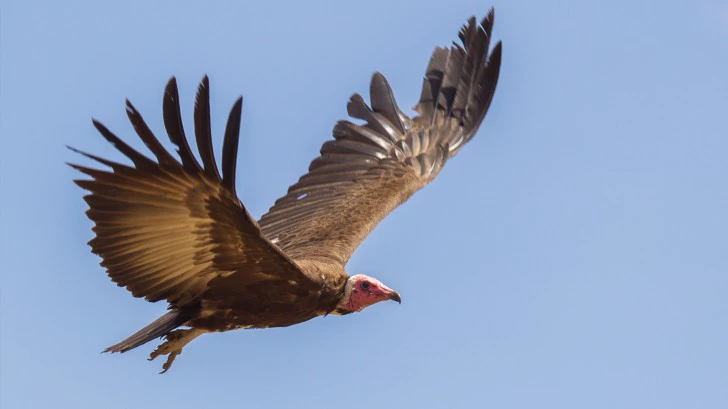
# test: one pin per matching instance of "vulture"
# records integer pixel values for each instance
(173, 229)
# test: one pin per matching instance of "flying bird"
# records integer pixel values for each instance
(174, 230)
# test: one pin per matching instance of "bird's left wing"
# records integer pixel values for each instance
(166, 229)
(369, 169)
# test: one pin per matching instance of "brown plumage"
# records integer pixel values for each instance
(176, 231)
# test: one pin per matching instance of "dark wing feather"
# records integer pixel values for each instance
(230, 146)
(170, 231)
(148, 137)
(368, 170)
(175, 130)
(203, 131)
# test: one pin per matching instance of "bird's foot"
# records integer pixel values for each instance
(173, 344)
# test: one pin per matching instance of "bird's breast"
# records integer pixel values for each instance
(226, 316)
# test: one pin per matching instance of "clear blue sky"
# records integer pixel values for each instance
(574, 255)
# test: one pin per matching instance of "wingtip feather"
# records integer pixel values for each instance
(203, 131)
(230, 145)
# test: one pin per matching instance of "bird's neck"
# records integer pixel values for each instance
(334, 282)
(346, 304)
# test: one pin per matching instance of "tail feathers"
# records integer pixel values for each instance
(160, 327)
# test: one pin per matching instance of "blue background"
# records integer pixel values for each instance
(574, 255)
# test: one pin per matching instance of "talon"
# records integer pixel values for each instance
(172, 346)
(162, 349)
(170, 359)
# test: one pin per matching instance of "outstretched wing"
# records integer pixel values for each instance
(368, 170)
(165, 229)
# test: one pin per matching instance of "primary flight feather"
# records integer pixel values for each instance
(175, 230)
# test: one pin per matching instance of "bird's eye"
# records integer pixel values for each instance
(365, 285)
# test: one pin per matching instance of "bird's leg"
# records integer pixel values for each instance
(173, 344)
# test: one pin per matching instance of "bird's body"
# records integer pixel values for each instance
(175, 230)
(256, 308)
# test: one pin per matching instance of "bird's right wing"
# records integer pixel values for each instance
(370, 169)
(166, 229)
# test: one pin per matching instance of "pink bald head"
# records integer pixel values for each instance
(362, 291)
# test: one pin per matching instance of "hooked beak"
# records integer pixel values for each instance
(394, 296)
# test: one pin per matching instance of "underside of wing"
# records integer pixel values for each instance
(166, 229)
(370, 169)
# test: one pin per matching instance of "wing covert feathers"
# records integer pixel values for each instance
(369, 169)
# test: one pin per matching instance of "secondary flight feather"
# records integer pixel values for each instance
(175, 230)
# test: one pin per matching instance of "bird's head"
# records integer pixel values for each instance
(362, 291)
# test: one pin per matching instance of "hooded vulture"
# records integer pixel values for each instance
(174, 230)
